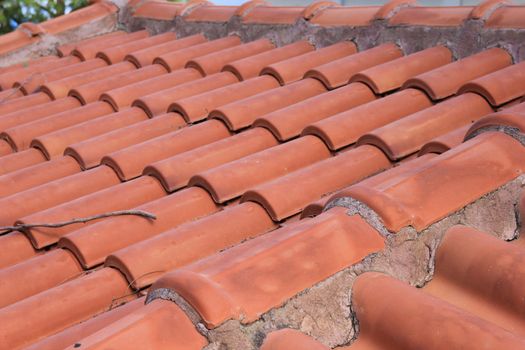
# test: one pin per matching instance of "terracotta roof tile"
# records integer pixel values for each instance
(407, 135)
(24, 102)
(289, 194)
(243, 113)
(445, 142)
(36, 275)
(294, 68)
(29, 62)
(66, 49)
(337, 73)
(17, 248)
(232, 179)
(398, 199)
(123, 97)
(161, 10)
(56, 304)
(92, 91)
(174, 248)
(445, 81)
(507, 17)
(196, 108)
(502, 118)
(273, 15)
(144, 57)
(53, 144)
(89, 153)
(500, 86)
(285, 339)
(159, 102)
(345, 16)
(115, 197)
(315, 208)
(431, 16)
(213, 62)
(288, 122)
(250, 67)
(20, 160)
(210, 13)
(89, 50)
(92, 244)
(16, 40)
(178, 59)
(345, 128)
(216, 298)
(387, 76)
(38, 174)
(19, 137)
(72, 334)
(176, 171)
(129, 162)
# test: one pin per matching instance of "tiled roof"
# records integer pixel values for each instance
(301, 189)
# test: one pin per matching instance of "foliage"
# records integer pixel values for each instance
(15, 12)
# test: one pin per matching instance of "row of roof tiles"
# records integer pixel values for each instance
(495, 13)
(113, 140)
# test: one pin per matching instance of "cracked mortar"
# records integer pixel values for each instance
(324, 310)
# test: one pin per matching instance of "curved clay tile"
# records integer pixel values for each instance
(273, 15)
(36, 275)
(92, 244)
(39, 111)
(72, 334)
(117, 197)
(392, 7)
(211, 14)
(318, 6)
(28, 63)
(500, 86)
(232, 179)
(21, 136)
(240, 114)
(345, 16)
(158, 102)
(503, 118)
(445, 81)
(7, 79)
(79, 17)
(484, 279)
(145, 57)
(129, 162)
(507, 17)
(60, 88)
(345, 128)
(178, 59)
(391, 75)
(288, 195)
(11, 94)
(431, 16)
(116, 54)
(196, 108)
(24, 102)
(89, 50)
(38, 174)
(250, 67)
(54, 193)
(152, 324)
(89, 153)
(288, 122)
(15, 40)
(176, 171)
(103, 41)
(487, 7)
(315, 208)
(54, 143)
(400, 200)
(61, 307)
(91, 92)
(213, 62)
(5, 148)
(251, 278)
(445, 142)
(452, 327)
(29, 86)
(338, 73)
(407, 135)
(17, 248)
(286, 339)
(20, 160)
(293, 69)
(160, 10)
(177, 247)
(123, 97)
